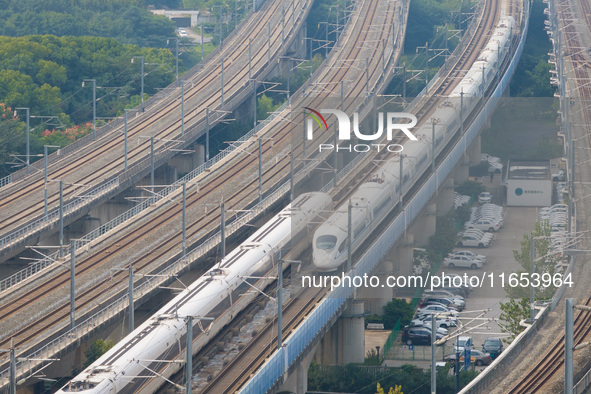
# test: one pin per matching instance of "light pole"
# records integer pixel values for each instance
(142, 78)
(176, 57)
(28, 134)
(125, 136)
(93, 105)
(45, 147)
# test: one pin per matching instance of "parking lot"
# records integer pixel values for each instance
(518, 221)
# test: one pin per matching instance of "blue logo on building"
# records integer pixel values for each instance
(518, 191)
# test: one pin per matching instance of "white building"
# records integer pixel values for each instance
(529, 183)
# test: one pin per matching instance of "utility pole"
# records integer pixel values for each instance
(177, 61)
(131, 309)
(291, 177)
(532, 252)
(202, 52)
(254, 94)
(152, 162)
(94, 104)
(223, 229)
(182, 107)
(222, 81)
(61, 213)
(433, 123)
(404, 82)
(28, 138)
(184, 219)
(260, 170)
(189, 360)
(279, 303)
(401, 179)
(207, 136)
(72, 285)
(433, 350)
(125, 139)
(12, 367)
(568, 345)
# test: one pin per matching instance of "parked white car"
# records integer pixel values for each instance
(430, 309)
(469, 253)
(487, 224)
(461, 262)
(472, 239)
(484, 197)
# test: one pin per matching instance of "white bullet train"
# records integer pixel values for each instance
(132, 363)
(378, 196)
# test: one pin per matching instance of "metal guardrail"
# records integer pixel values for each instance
(104, 315)
(121, 304)
(116, 123)
(6, 180)
(52, 217)
(140, 168)
(105, 228)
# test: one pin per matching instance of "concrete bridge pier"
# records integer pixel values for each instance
(424, 226)
(403, 254)
(377, 297)
(184, 163)
(344, 343)
(297, 380)
(460, 172)
(474, 150)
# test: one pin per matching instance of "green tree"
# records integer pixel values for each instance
(513, 312)
(544, 263)
(265, 107)
(97, 349)
(397, 309)
(470, 188)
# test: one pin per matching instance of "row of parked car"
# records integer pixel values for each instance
(460, 199)
(484, 220)
(442, 304)
(557, 218)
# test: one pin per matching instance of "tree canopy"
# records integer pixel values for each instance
(128, 21)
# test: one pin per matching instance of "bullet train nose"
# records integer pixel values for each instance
(325, 261)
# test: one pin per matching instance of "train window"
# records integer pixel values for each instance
(343, 246)
(326, 242)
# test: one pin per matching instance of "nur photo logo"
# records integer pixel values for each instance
(346, 132)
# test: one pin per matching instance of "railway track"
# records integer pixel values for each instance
(553, 361)
(239, 370)
(98, 161)
(124, 244)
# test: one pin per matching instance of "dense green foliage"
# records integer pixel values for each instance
(128, 21)
(435, 22)
(532, 76)
(470, 188)
(445, 237)
(393, 310)
(39, 71)
(97, 349)
(45, 74)
(512, 313)
(352, 378)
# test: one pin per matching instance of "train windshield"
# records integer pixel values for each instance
(326, 242)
